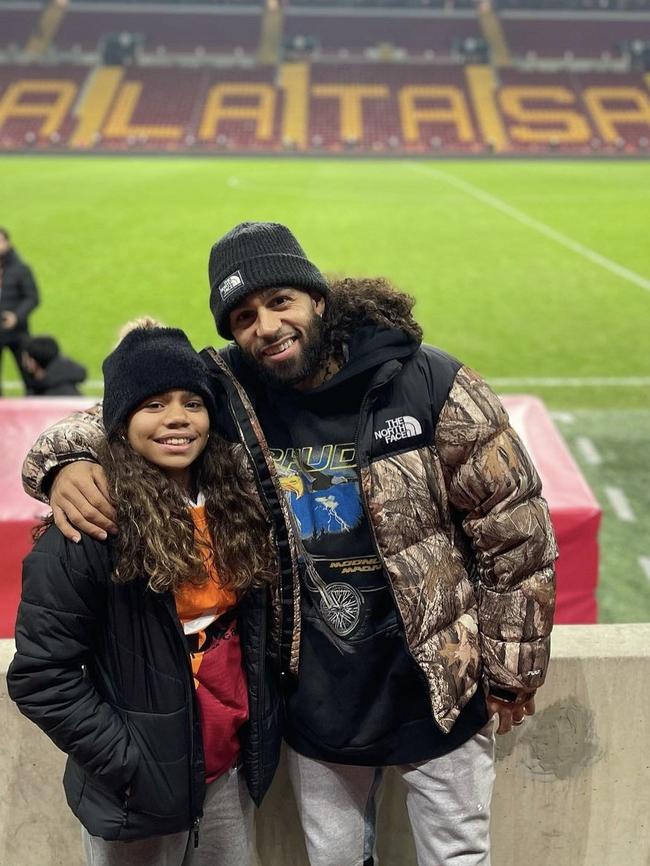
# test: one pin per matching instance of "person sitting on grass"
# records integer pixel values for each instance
(51, 373)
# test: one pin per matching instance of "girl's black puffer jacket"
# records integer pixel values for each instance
(103, 669)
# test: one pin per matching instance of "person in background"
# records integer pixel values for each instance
(18, 298)
(51, 373)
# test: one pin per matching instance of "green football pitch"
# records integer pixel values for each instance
(535, 273)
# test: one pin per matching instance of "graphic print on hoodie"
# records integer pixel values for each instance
(322, 486)
(360, 697)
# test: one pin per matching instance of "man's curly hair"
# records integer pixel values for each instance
(355, 302)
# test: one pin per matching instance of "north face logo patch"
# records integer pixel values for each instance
(234, 281)
(395, 429)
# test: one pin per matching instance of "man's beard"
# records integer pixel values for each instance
(293, 371)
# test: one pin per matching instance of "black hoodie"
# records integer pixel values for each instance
(360, 697)
(61, 378)
(18, 292)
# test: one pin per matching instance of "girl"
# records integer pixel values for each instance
(127, 652)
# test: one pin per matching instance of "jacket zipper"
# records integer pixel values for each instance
(196, 820)
(195, 831)
(260, 691)
(262, 654)
(251, 460)
(227, 372)
(375, 543)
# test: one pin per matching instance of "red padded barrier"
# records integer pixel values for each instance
(575, 512)
(21, 421)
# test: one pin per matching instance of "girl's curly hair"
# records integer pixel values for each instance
(355, 302)
(156, 537)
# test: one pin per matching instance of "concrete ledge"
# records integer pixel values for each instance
(573, 784)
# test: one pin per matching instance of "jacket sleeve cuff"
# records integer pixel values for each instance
(516, 666)
(522, 613)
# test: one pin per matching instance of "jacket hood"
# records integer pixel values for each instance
(370, 347)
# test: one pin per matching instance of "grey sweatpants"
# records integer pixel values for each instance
(447, 798)
(225, 837)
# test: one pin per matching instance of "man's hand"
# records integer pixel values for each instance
(81, 501)
(9, 320)
(510, 714)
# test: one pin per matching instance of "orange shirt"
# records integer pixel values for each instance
(209, 599)
(219, 677)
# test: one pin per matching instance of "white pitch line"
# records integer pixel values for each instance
(15, 386)
(619, 502)
(496, 381)
(588, 451)
(538, 226)
(644, 562)
(563, 417)
(570, 381)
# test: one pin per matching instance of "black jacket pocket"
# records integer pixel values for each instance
(100, 810)
(162, 779)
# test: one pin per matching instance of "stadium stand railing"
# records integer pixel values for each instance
(352, 32)
(173, 30)
(570, 35)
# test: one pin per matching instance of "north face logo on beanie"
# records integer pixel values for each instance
(234, 281)
(254, 256)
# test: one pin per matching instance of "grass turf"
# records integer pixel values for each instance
(111, 238)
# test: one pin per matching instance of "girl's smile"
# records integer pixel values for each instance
(170, 430)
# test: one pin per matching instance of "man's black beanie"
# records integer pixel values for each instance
(255, 256)
(151, 361)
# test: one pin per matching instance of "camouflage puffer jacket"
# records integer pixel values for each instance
(455, 506)
(459, 524)
(463, 531)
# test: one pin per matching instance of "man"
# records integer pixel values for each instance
(425, 600)
(18, 297)
(52, 374)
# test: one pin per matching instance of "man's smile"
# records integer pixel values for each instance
(280, 348)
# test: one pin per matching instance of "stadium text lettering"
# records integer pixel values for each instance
(106, 107)
(532, 123)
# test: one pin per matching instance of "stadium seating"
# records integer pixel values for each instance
(380, 126)
(16, 26)
(32, 87)
(325, 107)
(217, 31)
(355, 32)
(569, 107)
(576, 36)
(591, 7)
(307, 77)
